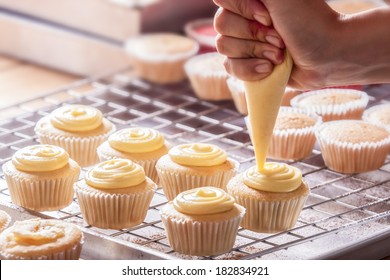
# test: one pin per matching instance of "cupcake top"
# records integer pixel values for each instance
(207, 63)
(379, 115)
(40, 158)
(136, 140)
(355, 132)
(203, 201)
(293, 119)
(5, 219)
(197, 154)
(331, 98)
(37, 236)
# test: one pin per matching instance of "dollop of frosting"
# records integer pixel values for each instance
(136, 140)
(115, 173)
(35, 232)
(274, 177)
(204, 200)
(76, 118)
(198, 154)
(40, 158)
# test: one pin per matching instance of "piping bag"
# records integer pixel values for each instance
(263, 99)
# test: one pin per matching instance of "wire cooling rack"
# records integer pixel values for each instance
(346, 216)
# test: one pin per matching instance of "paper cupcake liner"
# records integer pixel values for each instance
(6, 222)
(40, 194)
(174, 183)
(288, 95)
(72, 253)
(113, 211)
(237, 92)
(200, 238)
(350, 110)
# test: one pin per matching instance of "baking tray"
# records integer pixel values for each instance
(345, 216)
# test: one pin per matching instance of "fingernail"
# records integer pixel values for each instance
(277, 42)
(263, 68)
(271, 56)
(262, 19)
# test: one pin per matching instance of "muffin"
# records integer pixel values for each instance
(378, 115)
(194, 165)
(208, 76)
(41, 177)
(353, 146)
(160, 57)
(202, 221)
(5, 219)
(39, 239)
(273, 199)
(79, 129)
(293, 137)
(115, 194)
(333, 103)
(143, 146)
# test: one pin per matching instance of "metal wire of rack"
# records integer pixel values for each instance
(341, 209)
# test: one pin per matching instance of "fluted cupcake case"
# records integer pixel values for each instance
(5, 220)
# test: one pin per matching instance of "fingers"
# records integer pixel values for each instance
(250, 9)
(250, 69)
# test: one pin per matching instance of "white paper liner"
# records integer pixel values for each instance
(201, 238)
(113, 211)
(207, 84)
(349, 158)
(40, 194)
(350, 110)
(6, 222)
(237, 91)
(366, 115)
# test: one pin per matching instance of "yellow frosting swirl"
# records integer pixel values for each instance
(115, 173)
(36, 232)
(275, 177)
(204, 200)
(76, 118)
(40, 158)
(136, 140)
(198, 154)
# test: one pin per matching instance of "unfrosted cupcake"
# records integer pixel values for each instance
(202, 221)
(160, 57)
(208, 76)
(39, 239)
(378, 115)
(5, 219)
(115, 194)
(353, 146)
(143, 146)
(293, 136)
(41, 177)
(79, 129)
(333, 104)
(189, 166)
(273, 199)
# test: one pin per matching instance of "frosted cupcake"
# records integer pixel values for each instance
(41, 177)
(115, 194)
(333, 104)
(273, 199)
(79, 129)
(38, 239)
(202, 221)
(208, 76)
(143, 146)
(160, 57)
(189, 166)
(353, 146)
(5, 219)
(293, 136)
(378, 115)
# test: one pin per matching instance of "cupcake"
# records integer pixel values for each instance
(208, 76)
(143, 146)
(159, 57)
(293, 136)
(333, 103)
(273, 199)
(39, 239)
(115, 194)
(378, 115)
(5, 219)
(79, 129)
(288, 95)
(189, 166)
(202, 221)
(353, 146)
(41, 177)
